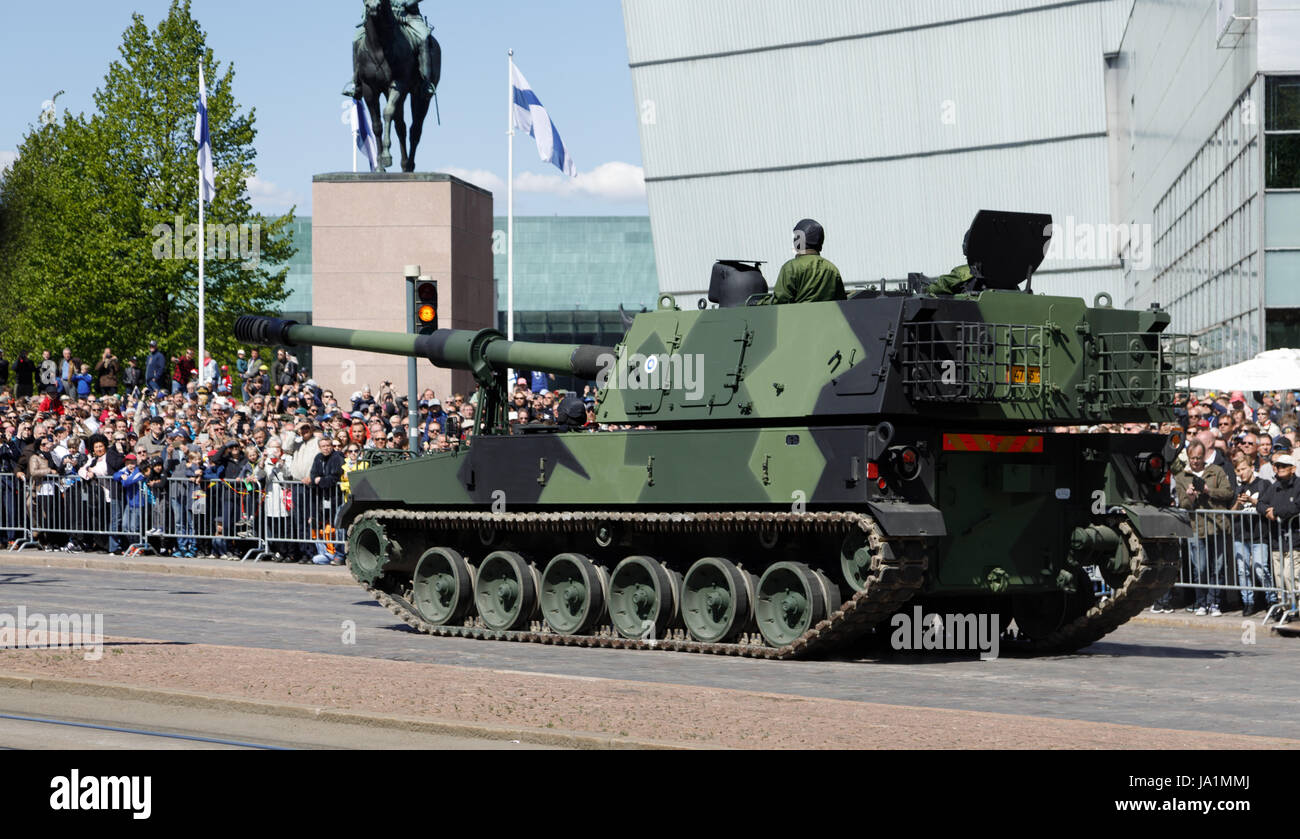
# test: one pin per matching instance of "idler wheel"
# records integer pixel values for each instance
(573, 594)
(506, 591)
(717, 600)
(369, 550)
(856, 556)
(791, 599)
(442, 589)
(643, 597)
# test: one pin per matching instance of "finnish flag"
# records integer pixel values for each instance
(207, 176)
(363, 134)
(531, 116)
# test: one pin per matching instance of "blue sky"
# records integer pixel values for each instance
(573, 53)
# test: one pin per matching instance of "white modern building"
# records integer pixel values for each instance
(1206, 144)
(892, 123)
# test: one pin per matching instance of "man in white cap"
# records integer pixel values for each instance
(1279, 504)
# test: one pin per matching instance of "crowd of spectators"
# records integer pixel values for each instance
(258, 441)
(1236, 475)
(194, 459)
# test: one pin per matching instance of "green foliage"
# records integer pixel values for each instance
(80, 209)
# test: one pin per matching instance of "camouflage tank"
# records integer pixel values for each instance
(781, 480)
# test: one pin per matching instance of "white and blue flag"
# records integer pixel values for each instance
(531, 116)
(363, 134)
(207, 176)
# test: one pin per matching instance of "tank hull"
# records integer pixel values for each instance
(984, 524)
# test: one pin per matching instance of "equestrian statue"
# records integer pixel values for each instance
(395, 55)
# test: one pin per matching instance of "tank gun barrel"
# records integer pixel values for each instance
(481, 352)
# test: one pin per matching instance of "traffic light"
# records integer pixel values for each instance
(425, 305)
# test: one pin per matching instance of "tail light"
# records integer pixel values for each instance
(1153, 466)
(906, 461)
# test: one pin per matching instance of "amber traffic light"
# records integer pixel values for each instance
(426, 306)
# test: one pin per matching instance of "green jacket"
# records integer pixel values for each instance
(954, 282)
(808, 278)
(1217, 496)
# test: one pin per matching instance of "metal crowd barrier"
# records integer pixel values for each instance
(82, 514)
(298, 513)
(246, 518)
(205, 517)
(1240, 551)
(15, 518)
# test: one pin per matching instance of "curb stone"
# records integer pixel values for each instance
(227, 569)
(217, 702)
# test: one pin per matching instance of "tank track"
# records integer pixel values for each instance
(898, 568)
(898, 571)
(1153, 568)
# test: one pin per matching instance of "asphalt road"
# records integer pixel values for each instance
(1166, 677)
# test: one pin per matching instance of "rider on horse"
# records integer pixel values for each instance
(418, 31)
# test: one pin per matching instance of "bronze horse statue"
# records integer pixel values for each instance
(386, 61)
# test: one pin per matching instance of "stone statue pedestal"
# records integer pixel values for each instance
(366, 228)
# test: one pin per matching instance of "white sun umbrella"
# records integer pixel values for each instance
(1270, 370)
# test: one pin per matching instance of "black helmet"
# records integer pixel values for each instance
(809, 235)
(571, 412)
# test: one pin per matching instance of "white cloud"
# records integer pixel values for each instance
(490, 181)
(613, 181)
(7, 159)
(264, 194)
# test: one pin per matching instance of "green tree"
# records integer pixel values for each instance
(89, 211)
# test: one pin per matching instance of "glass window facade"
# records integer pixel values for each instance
(1282, 103)
(298, 281)
(1207, 242)
(1282, 210)
(1282, 161)
(1282, 132)
(571, 275)
(570, 263)
(1283, 329)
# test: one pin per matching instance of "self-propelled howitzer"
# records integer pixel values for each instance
(778, 481)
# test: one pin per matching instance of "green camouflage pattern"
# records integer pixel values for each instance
(1012, 511)
(894, 356)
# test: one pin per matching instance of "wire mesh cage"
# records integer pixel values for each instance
(972, 361)
(1142, 369)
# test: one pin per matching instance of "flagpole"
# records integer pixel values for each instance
(510, 200)
(202, 248)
